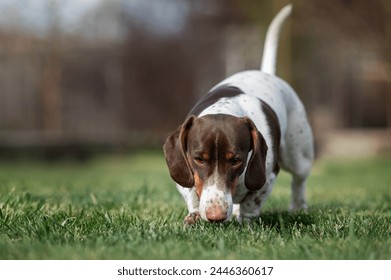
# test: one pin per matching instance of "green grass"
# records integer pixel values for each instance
(127, 207)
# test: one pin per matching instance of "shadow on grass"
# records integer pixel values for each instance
(279, 221)
(284, 220)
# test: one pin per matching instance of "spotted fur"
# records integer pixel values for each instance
(227, 154)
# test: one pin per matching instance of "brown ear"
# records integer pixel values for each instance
(175, 152)
(255, 176)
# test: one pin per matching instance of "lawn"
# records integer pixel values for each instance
(126, 207)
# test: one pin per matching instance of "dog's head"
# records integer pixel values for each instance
(210, 153)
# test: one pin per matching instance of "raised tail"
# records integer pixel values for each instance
(271, 42)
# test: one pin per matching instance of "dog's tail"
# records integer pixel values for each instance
(271, 42)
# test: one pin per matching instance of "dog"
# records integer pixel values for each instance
(226, 155)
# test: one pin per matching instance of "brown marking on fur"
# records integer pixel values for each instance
(275, 133)
(233, 185)
(198, 184)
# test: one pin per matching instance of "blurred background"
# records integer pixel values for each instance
(80, 77)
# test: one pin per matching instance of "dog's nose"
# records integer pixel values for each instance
(216, 213)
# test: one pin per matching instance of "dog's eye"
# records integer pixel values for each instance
(199, 160)
(235, 161)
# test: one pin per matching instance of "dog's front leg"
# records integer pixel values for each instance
(251, 205)
(192, 201)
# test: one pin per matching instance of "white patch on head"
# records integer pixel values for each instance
(212, 194)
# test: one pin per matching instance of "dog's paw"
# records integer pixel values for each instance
(245, 221)
(192, 218)
(298, 207)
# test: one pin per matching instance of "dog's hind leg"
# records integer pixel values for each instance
(296, 156)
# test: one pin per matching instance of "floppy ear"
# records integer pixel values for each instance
(255, 176)
(175, 152)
